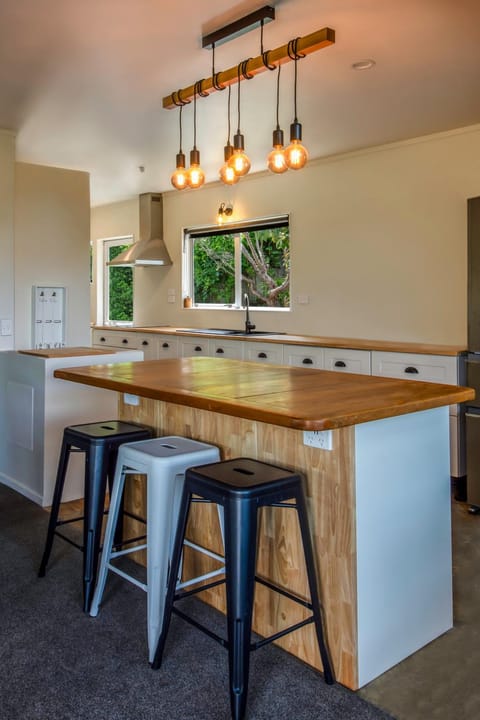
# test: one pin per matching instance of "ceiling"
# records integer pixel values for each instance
(81, 83)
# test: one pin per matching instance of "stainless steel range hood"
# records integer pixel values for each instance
(150, 249)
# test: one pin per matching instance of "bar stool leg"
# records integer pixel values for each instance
(95, 485)
(112, 464)
(240, 562)
(57, 498)
(312, 582)
(109, 540)
(160, 524)
(173, 575)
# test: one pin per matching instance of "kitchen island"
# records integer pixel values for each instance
(379, 499)
(35, 407)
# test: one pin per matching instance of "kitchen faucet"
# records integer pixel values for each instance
(248, 325)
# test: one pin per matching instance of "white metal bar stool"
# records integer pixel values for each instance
(164, 461)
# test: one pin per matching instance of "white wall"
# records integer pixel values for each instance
(52, 232)
(7, 176)
(378, 242)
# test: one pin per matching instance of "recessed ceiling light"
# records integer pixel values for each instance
(363, 65)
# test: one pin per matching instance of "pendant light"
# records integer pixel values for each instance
(296, 154)
(276, 158)
(196, 176)
(239, 161)
(179, 178)
(227, 172)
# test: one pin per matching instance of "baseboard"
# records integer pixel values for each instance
(22, 489)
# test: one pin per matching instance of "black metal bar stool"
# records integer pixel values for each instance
(100, 442)
(242, 486)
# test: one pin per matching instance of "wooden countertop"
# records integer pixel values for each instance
(293, 397)
(309, 340)
(66, 352)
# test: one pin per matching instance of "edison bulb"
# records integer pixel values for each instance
(228, 175)
(276, 160)
(196, 176)
(296, 155)
(240, 163)
(179, 178)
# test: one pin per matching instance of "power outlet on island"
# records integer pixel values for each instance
(318, 439)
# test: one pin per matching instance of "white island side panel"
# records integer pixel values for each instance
(403, 532)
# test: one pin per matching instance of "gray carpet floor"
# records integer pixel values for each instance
(59, 664)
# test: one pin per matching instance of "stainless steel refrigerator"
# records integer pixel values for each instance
(472, 410)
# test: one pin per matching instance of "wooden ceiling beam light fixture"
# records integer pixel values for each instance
(305, 45)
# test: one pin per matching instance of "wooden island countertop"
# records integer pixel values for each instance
(378, 493)
(293, 397)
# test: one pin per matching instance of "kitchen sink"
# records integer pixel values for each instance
(227, 331)
(258, 332)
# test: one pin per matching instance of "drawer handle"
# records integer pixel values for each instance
(125, 341)
(307, 361)
(165, 345)
(145, 342)
(411, 369)
(220, 350)
(198, 349)
(262, 355)
(340, 363)
(102, 340)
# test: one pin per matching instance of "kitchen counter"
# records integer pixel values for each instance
(378, 499)
(308, 340)
(65, 352)
(288, 396)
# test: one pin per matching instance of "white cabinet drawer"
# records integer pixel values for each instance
(352, 361)
(127, 341)
(192, 347)
(167, 346)
(226, 349)
(304, 356)
(409, 366)
(264, 352)
(100, 338)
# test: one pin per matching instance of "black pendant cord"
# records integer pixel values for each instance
(278, 94)
(241, 70)
(195, 115)
(228, 106)
(180, 124)
(179, 102)
(294, 55)
(238, 98)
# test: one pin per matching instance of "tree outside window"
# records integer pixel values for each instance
(226, 263)
(118, 285)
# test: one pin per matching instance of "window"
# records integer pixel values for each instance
(223, 263)
(117, 284)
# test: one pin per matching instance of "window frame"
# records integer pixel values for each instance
(107, 243)
(235, 229)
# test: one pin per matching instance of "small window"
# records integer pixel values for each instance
(222, 264)
(118, 285)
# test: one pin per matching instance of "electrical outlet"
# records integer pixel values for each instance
(129, 399)
(318, 439)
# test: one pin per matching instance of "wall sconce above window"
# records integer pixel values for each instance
(224, 211)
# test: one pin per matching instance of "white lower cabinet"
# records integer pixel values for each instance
(346, 360)
(193, 347)
(232, 349)
(264, 352)
(304, 356)
(167, 346)
(146, 342)
(428, 368)
(411, 366)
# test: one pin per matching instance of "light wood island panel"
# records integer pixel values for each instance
(260, 411)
